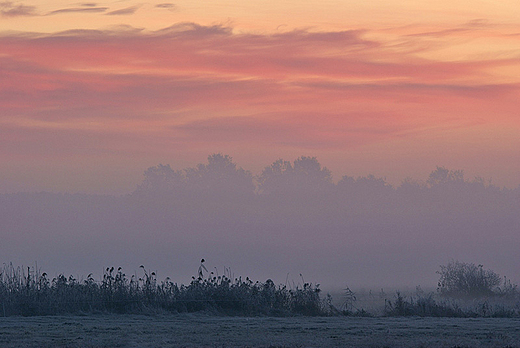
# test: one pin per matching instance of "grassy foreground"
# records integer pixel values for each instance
(27, 292)
(209, 331)
(32, 293)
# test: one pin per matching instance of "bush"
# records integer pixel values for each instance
(466, 280)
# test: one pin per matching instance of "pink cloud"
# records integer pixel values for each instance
(11, 9)
(85, 9)
(126, 91)
(124, 11)
(216, 50)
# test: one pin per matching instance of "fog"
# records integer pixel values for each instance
(291, 223)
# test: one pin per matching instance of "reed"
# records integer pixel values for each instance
(30, 292)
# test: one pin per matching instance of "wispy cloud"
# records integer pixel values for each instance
(209, 87)
(124, 11)
(343, 61)
(79, 10)
(167, 5)
(10, 9)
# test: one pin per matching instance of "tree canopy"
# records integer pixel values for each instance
(304, 175)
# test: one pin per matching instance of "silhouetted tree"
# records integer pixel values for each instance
(365, 192)
(368, 184)
(304, 176)
(411, 186)
(443, 176)
(161, 179)
(220, 176)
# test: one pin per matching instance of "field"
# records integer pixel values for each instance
(219, 311)
(202, 330)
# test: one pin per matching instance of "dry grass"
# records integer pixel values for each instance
(32, 293)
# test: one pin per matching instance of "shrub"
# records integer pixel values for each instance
(466, 280)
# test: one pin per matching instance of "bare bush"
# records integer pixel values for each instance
(467, 280)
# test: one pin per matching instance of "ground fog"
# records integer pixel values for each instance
(293, 218)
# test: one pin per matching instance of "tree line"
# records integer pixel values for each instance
(271, 223)
(306, 178)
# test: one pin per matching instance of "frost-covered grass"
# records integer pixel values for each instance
(429, 305)
(32, 293)
(28, 292)
(202, 330)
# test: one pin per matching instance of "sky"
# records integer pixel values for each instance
(93, 93)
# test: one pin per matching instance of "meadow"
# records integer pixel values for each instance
(203, 330)
(30, 292)
(219, 311)
(293, 218)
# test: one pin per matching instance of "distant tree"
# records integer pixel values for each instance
(305, 175)
(161, 179)
(220, 175)
(276, 177)
(364, 189)
(442, 176)
(411, 185)
(366, 183)
(310, 168)
(466, 280)
(411, 193)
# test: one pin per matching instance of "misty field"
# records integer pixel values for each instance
(201, 330)
(291, 219)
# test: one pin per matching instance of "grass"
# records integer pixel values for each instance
(28, 292)
(426, 305)
(33, 293)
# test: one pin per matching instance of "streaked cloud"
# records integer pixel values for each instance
(79, 10)
(11, 9)
(206, 88)
(124, 11)
(166, 5)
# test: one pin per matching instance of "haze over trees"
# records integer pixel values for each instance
(304, 176)
(290, 218)
(220, 177)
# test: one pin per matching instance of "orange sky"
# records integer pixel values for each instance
(91, 94)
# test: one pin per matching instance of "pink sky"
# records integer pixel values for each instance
(91, 94)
